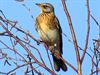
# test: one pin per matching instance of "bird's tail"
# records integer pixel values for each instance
(58, 63)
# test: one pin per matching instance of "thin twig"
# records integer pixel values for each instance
(30, 63)
(98, 70)
(49, 58)
(12, 50)
(34, 49)
(96, 23)
(88, 31)
(27, 50)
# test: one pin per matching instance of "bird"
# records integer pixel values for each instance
(48, 27)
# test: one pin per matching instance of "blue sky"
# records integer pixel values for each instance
(78, 12)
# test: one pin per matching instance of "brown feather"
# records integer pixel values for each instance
(48, 27)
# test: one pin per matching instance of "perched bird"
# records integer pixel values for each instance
(48, 27)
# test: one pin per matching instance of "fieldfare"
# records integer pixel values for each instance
(48, 27)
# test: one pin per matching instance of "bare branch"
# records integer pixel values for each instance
(88, 31)
(27, 50)
(73, 36)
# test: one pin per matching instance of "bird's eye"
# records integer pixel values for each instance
(45, 7)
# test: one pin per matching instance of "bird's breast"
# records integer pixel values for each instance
(47, 30)
(47, 34)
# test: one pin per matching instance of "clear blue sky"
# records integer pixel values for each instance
(78, 12)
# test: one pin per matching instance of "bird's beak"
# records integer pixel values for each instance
(38, 4)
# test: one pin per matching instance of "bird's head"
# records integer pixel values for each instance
(45, 7)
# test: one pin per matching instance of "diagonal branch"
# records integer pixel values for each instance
(96, 23)
(27, 50)
(73, 36)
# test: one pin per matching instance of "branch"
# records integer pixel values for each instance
(27, 50)
(23, 66)
(56, 54)
(88, 31)
(12, 50)
(96, 23)
(98, 70)
(34, 49)
(73, 36)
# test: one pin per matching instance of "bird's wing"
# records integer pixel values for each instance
(36, 25)
(60, 34)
